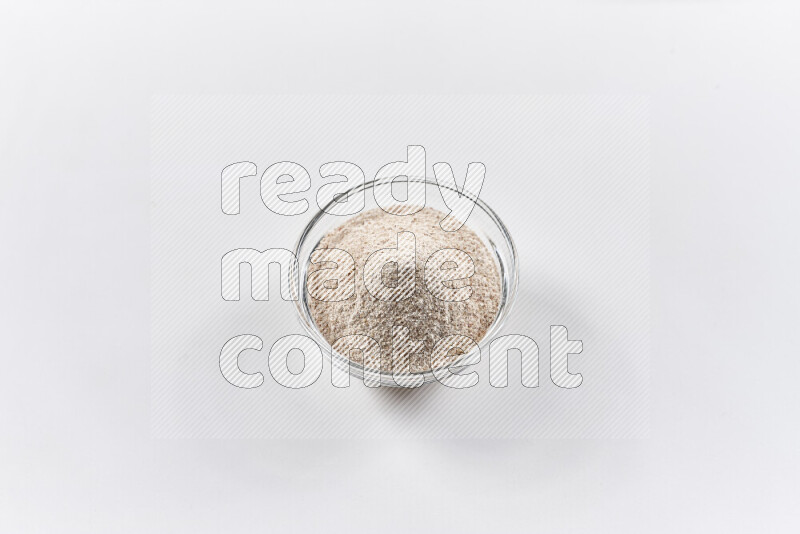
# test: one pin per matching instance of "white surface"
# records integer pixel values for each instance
(568, 176)
(76, 450)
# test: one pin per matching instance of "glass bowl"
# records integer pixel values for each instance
(483, 221)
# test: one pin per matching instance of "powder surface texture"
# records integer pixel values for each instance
(427, 318)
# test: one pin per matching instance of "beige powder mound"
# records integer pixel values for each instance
(427, 318)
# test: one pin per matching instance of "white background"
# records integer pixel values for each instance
(75, 446)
